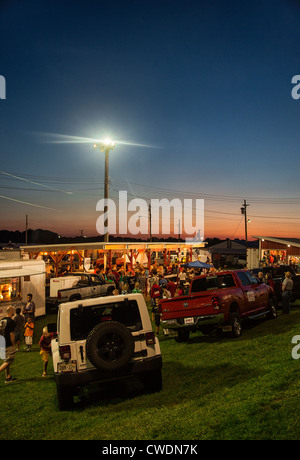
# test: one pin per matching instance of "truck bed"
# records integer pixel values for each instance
(193, 305)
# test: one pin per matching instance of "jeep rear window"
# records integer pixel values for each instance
(83, 320)
(213, 282)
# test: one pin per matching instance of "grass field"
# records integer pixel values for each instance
(213, 388)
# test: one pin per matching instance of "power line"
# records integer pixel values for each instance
(145, 190)
(269, 200)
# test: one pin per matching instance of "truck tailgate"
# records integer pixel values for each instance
(192, 305)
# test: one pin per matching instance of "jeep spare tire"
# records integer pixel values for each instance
(109, 346)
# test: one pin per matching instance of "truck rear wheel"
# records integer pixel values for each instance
(110, 291)
(272, 309)
(183, 335)
(236, 324)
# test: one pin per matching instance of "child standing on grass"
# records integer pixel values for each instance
(28, 334)
(45, 344)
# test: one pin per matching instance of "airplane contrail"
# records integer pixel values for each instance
(35, 183)
(29, 204)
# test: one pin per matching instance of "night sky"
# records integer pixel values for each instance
(203, 87)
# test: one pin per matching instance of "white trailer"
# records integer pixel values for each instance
(252, 258)
(19, 278)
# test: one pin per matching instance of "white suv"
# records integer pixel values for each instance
(103, 339)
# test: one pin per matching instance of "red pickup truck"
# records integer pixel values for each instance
(218, 301)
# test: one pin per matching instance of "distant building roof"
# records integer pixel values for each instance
(9, 245)
(291, 241)
(228, 247)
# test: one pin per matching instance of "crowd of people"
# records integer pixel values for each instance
(156, 283)
(141, 279)
(286, 288)
(16, 324)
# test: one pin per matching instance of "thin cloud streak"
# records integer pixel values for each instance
(29, 204)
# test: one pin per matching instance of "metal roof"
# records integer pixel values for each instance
(122, 246)
(291, 241)
(12, 269)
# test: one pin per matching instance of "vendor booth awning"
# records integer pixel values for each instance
(122, 246)
(60, 254)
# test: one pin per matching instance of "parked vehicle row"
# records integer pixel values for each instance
(277, 272)
(218, 301)
(104, 338)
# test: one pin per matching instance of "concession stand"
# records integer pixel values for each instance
(72, 257)
(19, 278)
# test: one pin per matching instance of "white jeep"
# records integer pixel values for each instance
(102, 339)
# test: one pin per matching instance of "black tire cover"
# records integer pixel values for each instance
(110, 346)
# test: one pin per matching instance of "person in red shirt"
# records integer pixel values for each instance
(171, 286)
(269, 280)
(179, 291)
(45, 344)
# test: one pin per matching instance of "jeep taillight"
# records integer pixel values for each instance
(150, 338)
(59, 295)
(216, 303)
(65, 352)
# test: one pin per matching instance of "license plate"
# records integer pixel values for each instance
(66, 367)
(188, 320)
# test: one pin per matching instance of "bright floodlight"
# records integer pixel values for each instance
(105, 145)
(108, 141)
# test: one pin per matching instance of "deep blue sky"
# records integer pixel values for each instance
(209, 82)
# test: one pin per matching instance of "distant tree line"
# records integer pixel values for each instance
(40, 236)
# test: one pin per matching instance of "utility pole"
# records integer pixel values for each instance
(106, 180)
(244, 211)
(179, 231)
(150, 222)
(105, 147)
(26, 226)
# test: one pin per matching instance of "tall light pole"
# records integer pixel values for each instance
(106, 146)
(244, 211)
(150, 222)
(26, 231)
